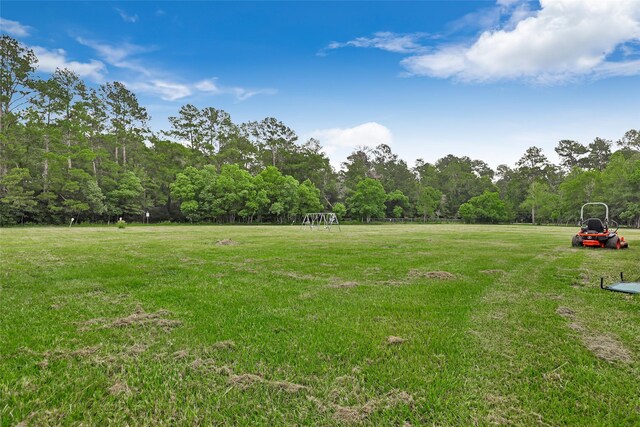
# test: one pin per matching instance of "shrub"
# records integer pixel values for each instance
(486, 208)
(340, 210)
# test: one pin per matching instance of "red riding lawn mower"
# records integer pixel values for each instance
(595, 233)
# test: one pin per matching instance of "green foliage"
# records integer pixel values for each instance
(486, 208)
(542, 202)
(630, 141)
(357, 167)
(459, 179)
(17, 196)
(227, 195)
(396, 204)
(273, 139)
(126, 198)
(368, 200)
(121, 223)
(281, 191)
(163, 327)
(233, 193)
(68, 149)
(340, 210)
(599, 154)
(428, 202)
(631, 213)
(309, 198)
(571, 153)
(188, 188)
(190, 209)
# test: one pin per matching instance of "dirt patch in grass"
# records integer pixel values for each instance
(135, 349)
(337, 284)
(577, 327)
(585, 278)
(603, 346)
(245, 381)
(138, 318)
(398, 397)
(43, 418)
(210, 365)
(372, 271)
(56, 354)
(226, 242)
(392, 340)
(120, 388)
(440, 275)
(287, 386)
(353, 414)
(224, 345)
(359, 413)
(566, 312)
(393, 282)
(348, 388)
(299, 276)
(180, 354)
(85, 352)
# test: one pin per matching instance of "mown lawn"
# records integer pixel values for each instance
(380, 325)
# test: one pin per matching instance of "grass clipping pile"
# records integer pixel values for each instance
(439, 275)
(603, 346)
(226, 242)
(138, 318)
(349, 388)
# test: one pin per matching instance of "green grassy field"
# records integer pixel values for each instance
(391, 325)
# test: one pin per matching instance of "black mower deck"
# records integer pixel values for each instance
(622, 286)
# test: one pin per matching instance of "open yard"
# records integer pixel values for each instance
(384, 325)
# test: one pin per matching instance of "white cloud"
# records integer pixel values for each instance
(169, 91)
(50, 60)
(610, 69)
(338, 143)
(493, 16)
(564, 40)
(126, 17)
(507, 3)
(243, 94)
(119, 56)
(516, 14)
(368, 134)
(14, 28)
(384, 40)
(210, 86)
(631, 49)
(161, 83)
(173, 91)
(487, 17)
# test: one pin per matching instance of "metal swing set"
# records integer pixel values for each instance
(320, 220)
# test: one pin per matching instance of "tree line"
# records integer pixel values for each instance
(69, 149)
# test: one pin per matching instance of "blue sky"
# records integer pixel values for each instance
(485, 79)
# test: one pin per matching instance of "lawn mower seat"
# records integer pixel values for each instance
(595, 225)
